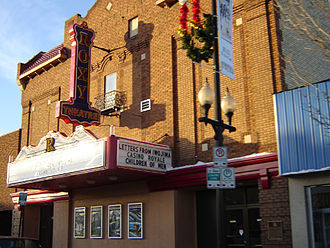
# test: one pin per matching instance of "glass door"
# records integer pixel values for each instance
(254, 221)
(242, 218)
(235, 228)
(243, 227)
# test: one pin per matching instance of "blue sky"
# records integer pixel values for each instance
(28, 27)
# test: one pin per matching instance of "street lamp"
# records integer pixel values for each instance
(206, 97)
(228, 106)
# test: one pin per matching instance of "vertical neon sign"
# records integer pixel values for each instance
(77, 109)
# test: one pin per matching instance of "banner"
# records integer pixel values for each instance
(225, 32)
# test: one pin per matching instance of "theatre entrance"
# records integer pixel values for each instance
(241, 218)
(46, 225)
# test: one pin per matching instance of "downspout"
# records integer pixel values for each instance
(58, 119)
(29, 124)
(175, 101)
(271, 46)
(195, 112)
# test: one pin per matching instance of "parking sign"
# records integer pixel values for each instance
(220, 156)
(227, 178)
(22, 198)
(213, 177)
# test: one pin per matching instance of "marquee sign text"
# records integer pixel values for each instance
(60, 162)
(143, 156)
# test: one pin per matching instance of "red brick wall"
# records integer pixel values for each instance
(9, 146)
(274, 206)
(169, 79)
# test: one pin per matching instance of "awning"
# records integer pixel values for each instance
(40, 196)
(81, 160)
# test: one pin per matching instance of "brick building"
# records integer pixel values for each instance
(9, 147)
(136, 60)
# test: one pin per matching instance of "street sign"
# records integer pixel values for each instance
(221, 178)
(22, 198)
(213, 177)
(220, 156)
(227, 178)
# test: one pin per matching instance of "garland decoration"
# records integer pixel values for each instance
(196, 11)
(183, 19)
(198, 41)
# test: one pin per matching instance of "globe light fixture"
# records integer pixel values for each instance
(228, 105)
(206, 97)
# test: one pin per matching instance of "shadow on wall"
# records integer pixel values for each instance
(139, 47)
(187, 153)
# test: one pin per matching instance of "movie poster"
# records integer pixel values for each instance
(96, 217)
(114, 215)
(135, 221)
(79, 222)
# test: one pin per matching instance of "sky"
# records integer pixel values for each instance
(26, 28)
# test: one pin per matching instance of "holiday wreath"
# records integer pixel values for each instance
(198, 40)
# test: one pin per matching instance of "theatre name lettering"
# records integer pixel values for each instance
(143, 156)
(77, 109)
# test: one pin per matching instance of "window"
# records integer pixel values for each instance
(110, 91)
(110, 83)
(133, 27)
(319, 215)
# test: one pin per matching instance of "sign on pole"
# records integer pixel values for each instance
(221, 178)
(22, 198)
(220, 156)
(213, 177)
(227, 178)
(225, 33)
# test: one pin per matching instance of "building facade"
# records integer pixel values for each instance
(302, 119)
(145, 89)
(9, 147)
(304, 157)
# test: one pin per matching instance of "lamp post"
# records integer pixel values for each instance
(206, 97)
(228, 104)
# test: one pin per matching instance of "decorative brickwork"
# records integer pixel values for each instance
(274, 207)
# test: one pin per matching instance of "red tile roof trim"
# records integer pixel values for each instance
(43, 58)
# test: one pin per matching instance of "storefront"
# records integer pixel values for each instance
(304, 158)
(123, 191)
(36, 221)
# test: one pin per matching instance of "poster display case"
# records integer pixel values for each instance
(79, 222)
(115, 221)
(135, 220)
(96, 219)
